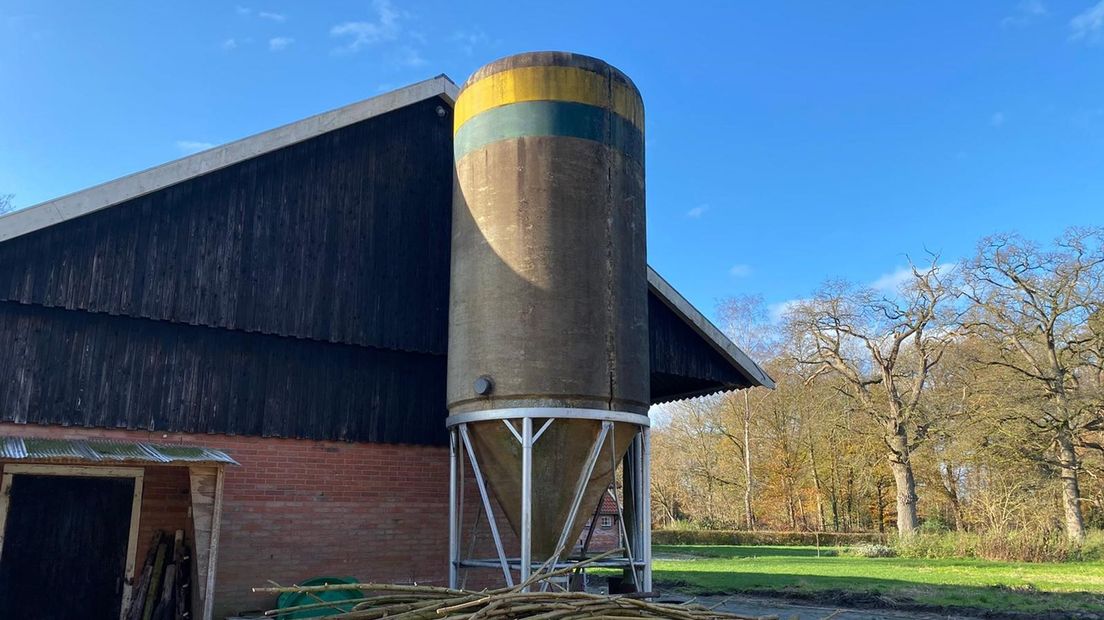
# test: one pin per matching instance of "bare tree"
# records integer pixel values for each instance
(6, 205)
(883, 347)
(1035, 306)
(746, 321)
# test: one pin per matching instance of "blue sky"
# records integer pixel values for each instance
(787, 142)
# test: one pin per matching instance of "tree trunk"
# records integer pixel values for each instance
(950, 485)
(900, 464)
(801, 514)
(748, 514)
(1071, 489)
(849, 518)
(907, 519)
(878, 485)
(709, 501)
(816, 486)
(787, 488)
(835, 492)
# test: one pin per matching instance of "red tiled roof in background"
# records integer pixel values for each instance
(609, 507)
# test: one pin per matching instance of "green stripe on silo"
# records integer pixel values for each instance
(550, 118)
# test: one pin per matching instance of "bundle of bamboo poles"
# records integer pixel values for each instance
(414, 602)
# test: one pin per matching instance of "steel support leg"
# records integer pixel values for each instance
(487, 505)
(630, 466)
(526, 499)
(454, 512)
(621, 517)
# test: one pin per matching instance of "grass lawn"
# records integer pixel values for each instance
(945, 583)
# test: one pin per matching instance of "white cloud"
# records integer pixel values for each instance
(242, 10)
(468, 40)
(193, 146)
(276, 17)
(230, 44)
(279, 44)
(361, 34)
(1026, 12)
(777, 311)
(1088, 25)
(997, 119)
(893, 281)
(740, 271)
(697, 212)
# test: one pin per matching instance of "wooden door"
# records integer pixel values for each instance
(65, 547)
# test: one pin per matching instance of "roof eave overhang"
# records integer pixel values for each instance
(755, 375)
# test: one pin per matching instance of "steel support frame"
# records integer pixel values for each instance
(454, 510)
(635, 536)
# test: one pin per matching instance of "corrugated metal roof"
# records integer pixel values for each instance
(104, 450)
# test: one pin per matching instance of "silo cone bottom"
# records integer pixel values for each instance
(559, 459)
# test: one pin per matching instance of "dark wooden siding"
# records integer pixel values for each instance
(343, 238)
(682, 363)
(85, 369)
(78, 368)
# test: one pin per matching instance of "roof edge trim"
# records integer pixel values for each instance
(97, 197)
(696, 320)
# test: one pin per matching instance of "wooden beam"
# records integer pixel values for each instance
(132, 543)
(74, 470)
(206, 484)
(5, 496)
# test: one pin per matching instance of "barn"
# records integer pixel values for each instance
(249, 345)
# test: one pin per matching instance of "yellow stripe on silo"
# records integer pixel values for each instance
(548, 83)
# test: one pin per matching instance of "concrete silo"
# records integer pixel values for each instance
(548, 378)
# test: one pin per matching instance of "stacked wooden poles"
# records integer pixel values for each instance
(413, 602)
(163, 591)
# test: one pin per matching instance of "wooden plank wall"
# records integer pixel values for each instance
(289, 295)
(681, 361)
(342, 238)
(95, 370)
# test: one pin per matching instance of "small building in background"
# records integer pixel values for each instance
(602, 530)
(248, 346)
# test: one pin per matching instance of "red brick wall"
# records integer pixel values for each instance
(604, 538)
(165, 501)
(297, 509)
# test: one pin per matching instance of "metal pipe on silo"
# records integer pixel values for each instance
(548, 299)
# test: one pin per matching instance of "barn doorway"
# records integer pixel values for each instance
(66, 549)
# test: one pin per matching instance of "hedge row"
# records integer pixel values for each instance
(739, 537)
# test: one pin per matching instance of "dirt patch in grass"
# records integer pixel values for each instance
(896, 600)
